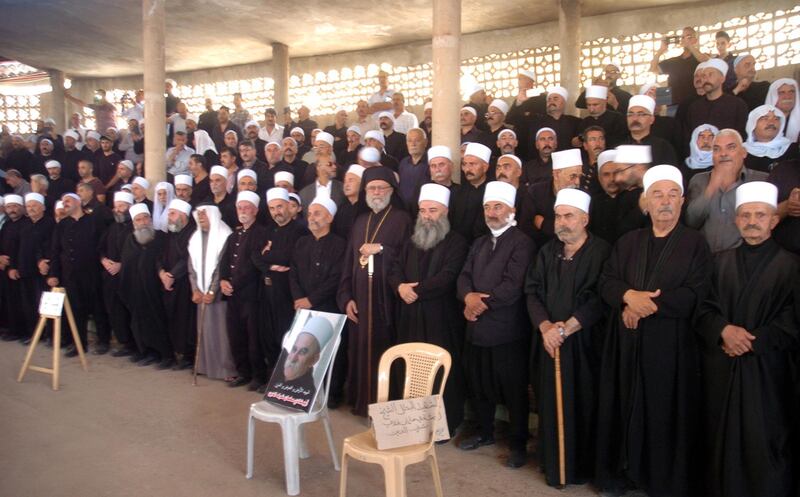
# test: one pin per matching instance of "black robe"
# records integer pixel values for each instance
(466, 211)
(613, 123)
(727, 111)
(556, 290)
(649, 396)
(316, 270)
(435, 317)
(566, 128)
(543, 201)
(201, 190)
(749, 408)
(603, 217)
(9, 245)
(181, 311)
(766, 164)
(34, 243)
(786, 176)
(110, 247)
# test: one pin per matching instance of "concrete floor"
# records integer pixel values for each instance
(122, 430)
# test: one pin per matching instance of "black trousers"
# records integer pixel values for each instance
(499, 375)
(82, 294)
(99, 312)
(242, 322)
(119, 316)
(31, 289)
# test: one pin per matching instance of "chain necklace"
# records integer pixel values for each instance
(364, 259)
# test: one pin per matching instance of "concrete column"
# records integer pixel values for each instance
(446, 76)
(280, 74)
(57, 105)
(569, 39)
(155, 108)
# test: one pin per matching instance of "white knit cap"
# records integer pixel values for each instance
(297, 129)
(499, 105)
(183, 179)
(277, 193)
(370, 154)
(642, 101)
(126, 163)
(435, 192)
(284, 176)
(246, 173)
(52, 164)
(757, 191)
(376, 135)
(180, 205)
(141, 182)
(507, 131)
(512, 157)
(605, 157)
(248, 196)
(634, 154)
(597, 91)
(573, 198)
(34, 197)
(499, 191)
(355, 129)
(478, 150)
(542, 130)
(662, 172)
(123, 197)
(559, 90)
(326, 137)
(140, 208)
(219, 171)
(356, 169)
(386, 114)
(326, 202)
(567, 158)
(439, 151)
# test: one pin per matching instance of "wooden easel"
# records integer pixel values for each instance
(26, 365)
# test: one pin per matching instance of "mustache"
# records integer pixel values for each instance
(753, 227)
(771, 127)
(563, 231)
(667, 209)
(636, 124)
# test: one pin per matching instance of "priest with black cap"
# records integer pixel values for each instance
(377, 236)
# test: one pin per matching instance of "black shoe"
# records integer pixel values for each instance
(101, 349)
(136, 357)
(184, 363)
(475, 442)
(148, 360)
(517, 459)
(72, 351)
(166, 364)
(123, 352)
(263, 388)
(239, 381)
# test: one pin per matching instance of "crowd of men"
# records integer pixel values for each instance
(650, 247)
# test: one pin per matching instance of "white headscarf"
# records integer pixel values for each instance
(700, 159)
(160, 212)
(793, 121)
(772, 149)
(203, 142)
(218, 233)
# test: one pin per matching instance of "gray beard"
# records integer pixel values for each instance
(175, 227)
(428, 235)
(120, 218)
(144, 235)
(378, 205)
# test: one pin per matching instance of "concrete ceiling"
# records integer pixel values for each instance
(101, 38)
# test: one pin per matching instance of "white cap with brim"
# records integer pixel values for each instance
(183, 179)
(34, 197)
(277, 193)
(642, 101)
(326, 202)
(597, 91)
(141, 182)
(573, 198)
(499, 191)
(356, 169)
(219, 171)
(499, 105)
(180, 206)
(437, 151)
(605, 157)
(757, 191)
(479, 150)
(284, 176)
(660, 173)
(248, 196)
(567, 158)
(370, 154)
(320, 328)
(137, 209)
(435, 193)
(247, 173)
(634, 154)
(123, 197)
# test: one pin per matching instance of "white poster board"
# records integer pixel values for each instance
(399, 423)
(51, 304)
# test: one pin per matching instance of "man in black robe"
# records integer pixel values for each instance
(766, 145)
(786, 176)
(177, 291)
(604, 214)
(564, 306)
(378, 235)
(424, 278)
(631, 163)
(140, 290)
(754, 93)
(509, 170)
(316, 269)
(9, 250)
(640, 122)
(110, 250)
(465, 208)
(540, 167)
(567, 173)
(470, 132)
(749, 337)
(225, 202)
(19, 158)
(717, 108)
(599, 115)
(497, 344)
(564, 125)
(649, 397)
(347, 210)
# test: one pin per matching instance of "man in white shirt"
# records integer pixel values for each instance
(403, 120)
(178, 156)
(137, 109)
(271, 131)
(381, 100)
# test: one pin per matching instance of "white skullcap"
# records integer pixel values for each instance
(48, 140)
(355, 129)
(435, 192)
(541, 130)
(573, 198)
(284, 176)
(509, 131)
(479, 150)
(298, 129)
(183, 179)
(326, 202)
(296, 198)
(376, 135)
(140, 208)
(439, 151)
(645, 88)
(597, 91)
(634, 154)
(512, 157)
(123, 197)
(473, 88)
(249, 173)
(559, 90)
(59, 203)
(126, 163)
(642, 101)
(126, 187)
(277, 193)
(718, 64)
(320, 328)
(470, 109)
(34, 197)
(757, 191)
(499, 105)
(219, 171)
(567, 158)
(499, 191)
(605, 157)
(370, 154)
(386, 114)
(528, 74)
(326, 137)
(93, 134)
(141, 182)
(162, 185)
(71, 195)
(662, 172)
(71, 133)
(251, 123)
(277, 144)
(52, 164)
(356, 169)
(428, 105)
(180, 206)
(699, 67)
(50, 120)
(248, 196)
(231, 132)
(740, 58)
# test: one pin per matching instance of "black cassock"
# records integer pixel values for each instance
(110, 247)
(649, 397)
(748, 399)
(140, 289)
(9, 245)
(34, 243)
(181, 311)
(558, 289)
(436, 315)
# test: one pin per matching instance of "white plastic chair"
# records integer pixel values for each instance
(294, 444)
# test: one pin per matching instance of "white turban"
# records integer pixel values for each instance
(376, 135)
(499, 191)
(479, 150)
(141, 182)
(356, 169)
(219, 171)
(248, 196)
(123, 197)
(325, 202)
(180, 206)
(183, 179)
(573, 198)
(567, 158)
(34, 197)
(137, 209)
(439, 151)
(662, 172)
(642, 101)
(277, 193)
(284, 176)
(559, 90)
(246, 173)
(499, 105)
(436, 193)
(793, 124)
(325, 137)
(597, 91)
(757, 191)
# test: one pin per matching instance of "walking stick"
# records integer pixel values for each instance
(370, 272)
(562, 471)
(199, 340)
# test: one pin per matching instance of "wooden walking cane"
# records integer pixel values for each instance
(562, 470)
(199, 340)
(370, 272)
